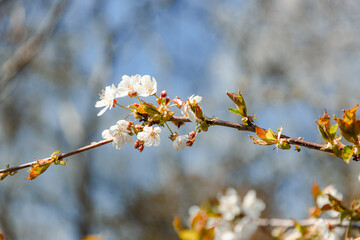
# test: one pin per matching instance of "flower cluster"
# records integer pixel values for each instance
(319, 230)
(323, 199)
(148, 114)
(230, 218)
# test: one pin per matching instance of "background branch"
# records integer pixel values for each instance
(289, 223)
(25, 53)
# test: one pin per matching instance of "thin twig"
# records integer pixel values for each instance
(289, 223)
(61, 156)
(241, 127)
(215, 122)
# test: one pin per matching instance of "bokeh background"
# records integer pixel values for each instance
(290, 58)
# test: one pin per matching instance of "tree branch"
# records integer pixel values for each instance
(215, 122)
(289, 223)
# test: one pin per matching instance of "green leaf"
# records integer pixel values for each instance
(239, 101)
(347, 153)
(301, 229)
(323, 133)
(343, 215)
(150, 108)
(285, 146)
(333, 130)
(242, 106)
(270, 135)
(235, 111)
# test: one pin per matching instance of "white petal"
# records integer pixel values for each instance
(191, 115)
(106, 135)
(100, 103)
(129, 139)
(157, 130)
(102, 111)
(157, 140)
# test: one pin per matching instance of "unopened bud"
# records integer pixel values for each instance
(178, 102)
(132, 94)
(163, 94)
(114, 102)
(141, 148)
(167, 100)
(190, 142)
(192, 134)
(137, 144)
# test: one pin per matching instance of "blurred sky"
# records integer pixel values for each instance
(191, 47)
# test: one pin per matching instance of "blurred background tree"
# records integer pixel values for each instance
(291, 59)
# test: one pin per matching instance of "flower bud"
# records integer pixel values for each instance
(163, 94)
(137, 144)
(141, 148)
(190, 142)
(167, 100)
(192, 134)
(114, 102)
(178, 102)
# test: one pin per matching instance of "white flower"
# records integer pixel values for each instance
(129, 85)
(224, 232)
(252, 206)
(107, 98)
(323, 229)
(119, 134)
(150, 136)
(193, 211)
(147, 87)
(186, 107)
(229, 204)
(180, 142)
(178, 102)
(195, 99)
(244, 228)
(322, 200)
(292, 234)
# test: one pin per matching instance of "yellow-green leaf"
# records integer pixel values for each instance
(333, 130)
(235, 111)
(347, 153)
(239, 101)
(270, 135)
(149, 108)
(37, 169)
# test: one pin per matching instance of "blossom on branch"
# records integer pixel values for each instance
(328, 232)
(150, 136)
(147, 87)
(180, 142)
(251, 205)
(129, 85)
(119, 134)
(323, 199)
(186, 107)
(107, 98)
(229, 204)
